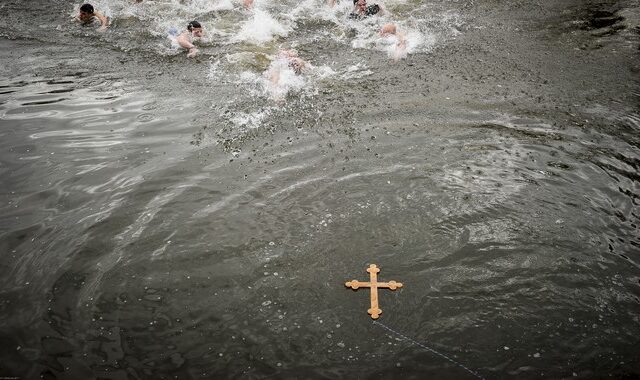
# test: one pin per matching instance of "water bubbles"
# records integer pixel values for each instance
(153, 297)
(250, 120)
(358, 70)
(144, 117)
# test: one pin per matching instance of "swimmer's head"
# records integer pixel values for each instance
(296, 65)
(193, 24)
(87, 8)
(86, 12)
(195, 28)
(361, 4)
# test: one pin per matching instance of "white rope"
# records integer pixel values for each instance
(429, 349)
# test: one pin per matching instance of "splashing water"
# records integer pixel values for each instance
(280, 79)
(260, 28)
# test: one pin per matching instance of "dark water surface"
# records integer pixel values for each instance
(167, 218)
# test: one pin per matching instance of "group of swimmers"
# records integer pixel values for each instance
(88, 15)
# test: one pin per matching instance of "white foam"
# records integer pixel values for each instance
(260, 28)
(358, 70)
(214, 70)
(323, 72)
(223, 5)
(250, 120)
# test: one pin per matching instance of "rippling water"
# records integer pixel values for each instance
(166, 217)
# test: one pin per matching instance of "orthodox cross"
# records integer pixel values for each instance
(373, 283)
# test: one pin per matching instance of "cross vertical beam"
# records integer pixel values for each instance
(375, 311)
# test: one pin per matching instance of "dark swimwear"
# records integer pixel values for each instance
(371, 10)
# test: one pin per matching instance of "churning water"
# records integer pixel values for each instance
(165, 217)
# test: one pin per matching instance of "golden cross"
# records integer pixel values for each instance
(373, 283)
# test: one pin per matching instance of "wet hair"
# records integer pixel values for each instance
(193, 24)
(87, 8)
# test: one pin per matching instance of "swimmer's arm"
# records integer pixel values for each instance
(184, 42)
(104, 22)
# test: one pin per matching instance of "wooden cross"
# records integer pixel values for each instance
(373, 283)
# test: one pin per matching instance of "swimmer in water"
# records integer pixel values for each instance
(400, 50)
(194, 29)
(248, 4)
(87, 15)
(295, 63)
(362, 10)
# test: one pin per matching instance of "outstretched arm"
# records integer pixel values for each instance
(183, 41)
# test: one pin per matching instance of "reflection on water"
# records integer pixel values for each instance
(68, 166)
(166, 217)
